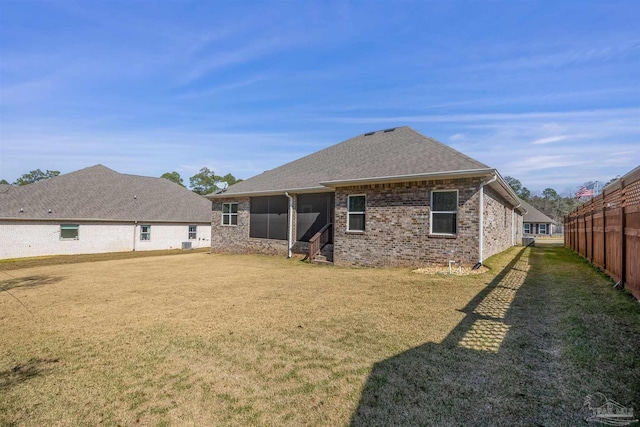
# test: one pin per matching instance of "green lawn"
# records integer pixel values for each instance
(203, 339)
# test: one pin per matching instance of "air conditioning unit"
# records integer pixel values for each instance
(186, 245)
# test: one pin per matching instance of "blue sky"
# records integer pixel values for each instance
(545, 91)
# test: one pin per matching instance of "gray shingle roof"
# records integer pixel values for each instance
(398, 152)
(99, 193)
(533, 215)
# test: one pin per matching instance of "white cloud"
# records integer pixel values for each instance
(550, 139)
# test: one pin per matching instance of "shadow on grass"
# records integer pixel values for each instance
(22, 372)
(27, 282)
(496, 367)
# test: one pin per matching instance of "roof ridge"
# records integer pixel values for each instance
(399, 151)
(54, 180)
(100, 192)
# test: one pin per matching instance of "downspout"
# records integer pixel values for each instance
(135, 225)
(480, 252)
(290, 225)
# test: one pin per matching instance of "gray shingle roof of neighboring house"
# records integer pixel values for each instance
(400, 152)
(99, 193)
(533, 215)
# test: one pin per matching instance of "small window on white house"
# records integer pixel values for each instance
(444, 212)
(356, 207)
(145, 232)
(229, 214)
(69, 231)
(543, 229)
(192, 232)
(527, 228)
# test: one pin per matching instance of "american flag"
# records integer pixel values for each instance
(584, 192)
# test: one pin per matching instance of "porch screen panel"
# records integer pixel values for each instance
(313, 213)
(259, 217)
(268, 217)
(278, 217)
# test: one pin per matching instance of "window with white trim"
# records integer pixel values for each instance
(145, 232)
(527, 228)
(229, 214)
(543, 229)
(192, 232)
(69, 231)
(444, 212)
(356, 208)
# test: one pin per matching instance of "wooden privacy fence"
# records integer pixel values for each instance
(606, 231)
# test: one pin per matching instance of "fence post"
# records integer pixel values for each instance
(584, 222)
(623, 240)
(604, 234)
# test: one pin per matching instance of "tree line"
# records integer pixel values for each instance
(203, 182)
(549, 201)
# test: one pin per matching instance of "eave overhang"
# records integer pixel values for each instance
(279, 192)
(500, 185)
(472, 173)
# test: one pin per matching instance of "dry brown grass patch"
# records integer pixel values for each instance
(209, 339)
(203, 339)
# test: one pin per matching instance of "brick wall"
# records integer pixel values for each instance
(235, 238)
(498, 229)
(397, 225)
(518, 221)
(20, 239)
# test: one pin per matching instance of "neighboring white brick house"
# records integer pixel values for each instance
(98, 210)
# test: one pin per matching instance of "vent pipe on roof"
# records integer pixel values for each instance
(289, 225)
(481, 214)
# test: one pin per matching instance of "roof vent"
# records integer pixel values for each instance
(389, 130)
(369, 133)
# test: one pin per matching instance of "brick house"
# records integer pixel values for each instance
(388, 198)
(535, 222)
(97, 210)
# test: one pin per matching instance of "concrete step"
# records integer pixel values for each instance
(321, 260)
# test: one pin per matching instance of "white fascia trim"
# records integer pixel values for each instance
(412, 177)
(303, 190)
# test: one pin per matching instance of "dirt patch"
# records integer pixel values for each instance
(26, 282)
(22, 372)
